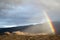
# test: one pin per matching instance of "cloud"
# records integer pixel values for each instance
(27, 11)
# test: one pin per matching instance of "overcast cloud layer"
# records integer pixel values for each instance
(18, 12)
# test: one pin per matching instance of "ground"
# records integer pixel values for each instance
(21, 36)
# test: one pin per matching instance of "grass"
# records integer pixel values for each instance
(29, 37)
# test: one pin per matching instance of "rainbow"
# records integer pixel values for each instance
(49, 22)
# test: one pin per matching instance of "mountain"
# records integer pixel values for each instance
(38, 28)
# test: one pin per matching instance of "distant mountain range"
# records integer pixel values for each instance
(39, 28)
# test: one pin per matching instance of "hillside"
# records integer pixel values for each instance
(24, 36)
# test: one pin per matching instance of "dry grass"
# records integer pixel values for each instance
(21, 36)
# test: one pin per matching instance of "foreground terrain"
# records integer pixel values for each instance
(24, 36)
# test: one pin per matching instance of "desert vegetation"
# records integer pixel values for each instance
(25, 36)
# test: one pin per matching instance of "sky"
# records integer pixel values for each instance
(21, 12)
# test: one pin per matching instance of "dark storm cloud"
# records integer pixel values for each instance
(12, 12)
(27, 11)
